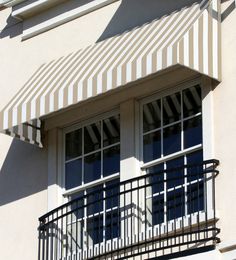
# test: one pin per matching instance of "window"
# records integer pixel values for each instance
(172, 138)
(91, 167)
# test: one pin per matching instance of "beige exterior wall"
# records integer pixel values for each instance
(23, 194)
(25, 170)
(225, 127)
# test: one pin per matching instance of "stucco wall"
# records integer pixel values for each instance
(23, 183)
(225, 126)
(23, 168)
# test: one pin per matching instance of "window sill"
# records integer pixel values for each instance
(91, 184)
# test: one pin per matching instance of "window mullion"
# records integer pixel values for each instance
(83, 156)
(182, 119)
(162, 137)
(101, 148)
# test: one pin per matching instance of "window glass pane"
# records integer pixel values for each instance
(156, 178)
(111, 130)
(171, 108)
(192, 101)
(192, 132)
(158, 209)
(195, 157)
(172, 139)
(95, 229)
(175, 177)
(92, 137)
(151, 116)
(95, 200)
(195, 172)
(112, 193)
(73, 174)
(112, 224)
(175, 204)
(92, 167)
(73, 144)
(152, 146)
(78, 204)
(195, 197)
(111, 160)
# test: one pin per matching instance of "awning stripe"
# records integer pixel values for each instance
(189, 37)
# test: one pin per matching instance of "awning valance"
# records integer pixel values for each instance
(189, 37)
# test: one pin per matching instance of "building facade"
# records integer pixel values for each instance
(113, 129)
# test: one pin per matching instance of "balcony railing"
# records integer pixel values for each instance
(170, 210)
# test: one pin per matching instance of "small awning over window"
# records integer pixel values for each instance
(189, 37)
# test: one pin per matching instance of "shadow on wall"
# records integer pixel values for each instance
(135, 13)
(12, 29)
(23, 173)
(130, 14)
(230, 8)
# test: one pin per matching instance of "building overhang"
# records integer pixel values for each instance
(189, 38)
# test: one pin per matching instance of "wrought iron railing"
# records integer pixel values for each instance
(170, 209)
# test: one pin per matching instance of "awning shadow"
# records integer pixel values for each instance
(23, 173)
(12, 29)
(135, 13)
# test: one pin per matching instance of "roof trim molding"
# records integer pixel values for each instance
(10, 3)
(28, 9)
(58, 20)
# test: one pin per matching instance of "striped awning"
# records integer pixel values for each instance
(189, 37)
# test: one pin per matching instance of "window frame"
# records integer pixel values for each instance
(157, 96)
(206, 140)
(207, 121)
(65, 194)
(84, 186)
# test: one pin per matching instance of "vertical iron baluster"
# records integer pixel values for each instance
(183, 215)
(138, 213)
(112, 200)
(206, 209)
(131, 226)
(92, 225)
(119, 220)
(67, 231)
(56, 236)
(62, 233)
(151, 183)
(198, 201)
(207, 176)
(51, 238)
(145, 208)
(160, 224)
(76, 229)
(125, 219)
(71, 231)
(47, 237)
(175, 214)
(39, 241)
(191, 203)
(213, 194)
